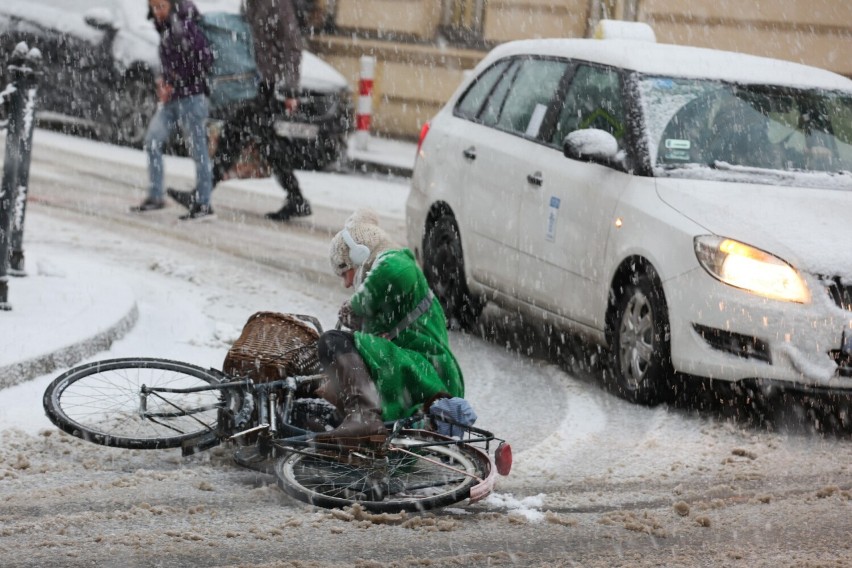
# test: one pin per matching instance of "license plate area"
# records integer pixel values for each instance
(286, 129)
(843, 356)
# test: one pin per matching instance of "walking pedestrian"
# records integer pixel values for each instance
(278, 51)
(185, 58)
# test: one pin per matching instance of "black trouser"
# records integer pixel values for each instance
(333, 343)
(255, 121)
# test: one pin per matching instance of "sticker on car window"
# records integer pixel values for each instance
(535, 120)
(677, 144)
(552, 214)
(677, 149)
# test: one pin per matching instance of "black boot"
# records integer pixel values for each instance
(184, 197)
(298, 206)
(150, 204)
(282, 215)
(359, 403)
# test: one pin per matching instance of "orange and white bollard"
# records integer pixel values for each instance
(364, 115)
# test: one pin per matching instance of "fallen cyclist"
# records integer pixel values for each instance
(396, 360)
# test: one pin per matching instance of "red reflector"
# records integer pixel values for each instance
(424, 130)
(503, 458)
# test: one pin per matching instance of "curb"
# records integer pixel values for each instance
(68, 356)
(365, 166)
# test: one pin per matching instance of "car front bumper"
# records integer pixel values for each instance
(724, 333)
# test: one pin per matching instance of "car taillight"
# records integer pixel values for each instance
(423, 132)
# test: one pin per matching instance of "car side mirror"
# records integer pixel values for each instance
(101, 19)
(592, 145)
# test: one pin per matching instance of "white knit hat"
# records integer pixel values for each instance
(363, 229)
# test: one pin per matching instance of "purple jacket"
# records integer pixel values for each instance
(184, 52)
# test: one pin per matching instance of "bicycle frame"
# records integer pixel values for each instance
(278, 438)
(262, 396)
(149, 404)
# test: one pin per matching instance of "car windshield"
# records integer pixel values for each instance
(693, 123)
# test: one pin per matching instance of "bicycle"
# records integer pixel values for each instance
(151, 403)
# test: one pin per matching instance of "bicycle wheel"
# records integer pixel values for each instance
(414, 476)
(102, 402)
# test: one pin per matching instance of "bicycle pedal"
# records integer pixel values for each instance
(250, 431)
(249, 457)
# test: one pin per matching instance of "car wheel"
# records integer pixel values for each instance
(640, 342)
(444, 268)
(135, 104)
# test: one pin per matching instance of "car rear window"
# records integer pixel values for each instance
(471, 102)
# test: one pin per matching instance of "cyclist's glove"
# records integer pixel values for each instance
(348, 318)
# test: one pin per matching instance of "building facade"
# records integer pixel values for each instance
(423, 47)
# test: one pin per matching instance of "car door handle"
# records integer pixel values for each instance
(470, 153)
(535, 179)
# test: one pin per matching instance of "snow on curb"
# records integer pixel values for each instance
(68, 356)
(66, 310)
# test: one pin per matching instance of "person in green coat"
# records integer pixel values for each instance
(396, 360)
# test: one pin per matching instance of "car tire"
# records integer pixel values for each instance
(641, 356)
(134, 108)
(443, 264)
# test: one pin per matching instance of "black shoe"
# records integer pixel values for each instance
(281, 215)
(199, 212)
(250, 457)
(149, 204)
(298, 207)
(185, 198)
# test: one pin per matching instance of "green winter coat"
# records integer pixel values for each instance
(418, 364)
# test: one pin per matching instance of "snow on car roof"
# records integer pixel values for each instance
(678, 61)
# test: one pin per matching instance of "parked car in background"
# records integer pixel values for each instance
(685, 207)
(100, 59)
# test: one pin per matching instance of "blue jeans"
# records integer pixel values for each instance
(190, 113)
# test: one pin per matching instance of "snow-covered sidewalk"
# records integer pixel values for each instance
(69, 308)
(64, 310)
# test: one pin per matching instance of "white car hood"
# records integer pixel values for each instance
(808, 227)
(317, 75)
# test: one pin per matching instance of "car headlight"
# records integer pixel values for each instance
(751, 269)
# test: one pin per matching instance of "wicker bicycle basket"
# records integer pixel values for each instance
(273, 346)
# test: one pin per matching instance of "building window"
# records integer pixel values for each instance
(461, 21)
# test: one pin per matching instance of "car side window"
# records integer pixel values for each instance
(491, 112)
(593, 100)
(532, 93)
(471, 102)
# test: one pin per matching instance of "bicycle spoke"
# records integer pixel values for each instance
(424, 476)
(103, 402)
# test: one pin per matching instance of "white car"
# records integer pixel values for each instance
(687, 207)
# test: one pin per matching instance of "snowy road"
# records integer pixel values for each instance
(597, 481)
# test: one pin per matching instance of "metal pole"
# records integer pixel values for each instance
(364, 114)
(29, 90)
(16, 131)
